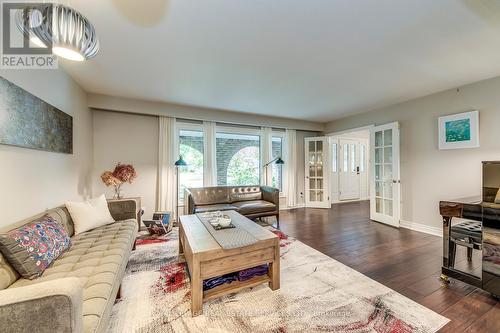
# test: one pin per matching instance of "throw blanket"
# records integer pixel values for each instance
(243, 275)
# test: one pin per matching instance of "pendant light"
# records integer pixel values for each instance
(69, 33)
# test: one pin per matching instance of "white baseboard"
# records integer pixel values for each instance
(297, 206)
(353, 200)
(435, 231)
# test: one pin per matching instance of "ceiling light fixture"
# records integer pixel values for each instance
(69, 33)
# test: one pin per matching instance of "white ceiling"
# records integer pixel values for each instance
(310, 59)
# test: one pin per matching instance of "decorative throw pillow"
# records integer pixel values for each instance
(30, 249)
(89, 214)
(497, 198)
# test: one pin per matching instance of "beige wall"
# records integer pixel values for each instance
(127, 138)
(32, 181)
(428, 174)
(133, 138)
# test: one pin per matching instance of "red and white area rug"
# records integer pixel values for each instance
(318, 294)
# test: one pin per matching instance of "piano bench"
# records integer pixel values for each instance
(468, 234)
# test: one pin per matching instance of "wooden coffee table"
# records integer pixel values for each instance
(207, 259)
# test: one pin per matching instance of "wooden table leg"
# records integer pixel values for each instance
(196, 289)
(181, 239)
(274, 268)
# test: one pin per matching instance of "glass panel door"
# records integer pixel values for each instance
(385, 189)
(316, 176)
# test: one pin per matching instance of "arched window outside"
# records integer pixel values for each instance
(243, 168)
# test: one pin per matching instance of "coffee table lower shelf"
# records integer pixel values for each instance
(235, 286)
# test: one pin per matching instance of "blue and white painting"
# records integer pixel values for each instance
(458, 130)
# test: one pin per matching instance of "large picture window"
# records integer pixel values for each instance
(238, 159)
(191, 150)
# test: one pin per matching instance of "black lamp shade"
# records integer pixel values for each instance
(280, 161)
(180, 162)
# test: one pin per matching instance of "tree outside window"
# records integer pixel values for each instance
(191, 150)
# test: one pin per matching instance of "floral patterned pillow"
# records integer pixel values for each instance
(30, 249)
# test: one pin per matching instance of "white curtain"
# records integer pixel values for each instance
(267, 155)
(291, 168)
(209, 163)
(167, 155)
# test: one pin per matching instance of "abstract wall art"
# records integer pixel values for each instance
(27, 121)
(459, 131)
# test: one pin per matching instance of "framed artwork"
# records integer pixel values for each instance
(459, 131)
(27, 121)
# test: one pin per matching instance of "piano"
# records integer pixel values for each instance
(482, 210)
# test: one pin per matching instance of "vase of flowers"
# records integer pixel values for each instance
(123, 173)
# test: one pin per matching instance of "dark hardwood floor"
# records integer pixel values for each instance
(403, 260)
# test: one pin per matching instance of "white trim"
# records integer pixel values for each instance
(394, 218)
(297, 206)
(185, 126)
(326, 173)
(353, 200)
(357, 129)
(239, 130)
(426, 229)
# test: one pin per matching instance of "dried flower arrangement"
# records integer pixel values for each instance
(123, 173)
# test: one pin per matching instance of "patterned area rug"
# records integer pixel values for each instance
(318, 294)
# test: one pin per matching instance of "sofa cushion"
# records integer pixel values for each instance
(31, 248)
(8, 275)
(98, 258)
(254, 207)
(210, 195)
(90, 214)
(245, 193)
(497, 197)
(213, 208)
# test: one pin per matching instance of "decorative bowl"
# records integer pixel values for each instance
(224, 221)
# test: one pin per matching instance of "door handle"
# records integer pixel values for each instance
(357, 170)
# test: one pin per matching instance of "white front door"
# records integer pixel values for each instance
(385, 184)
(316, 171)
(349, 176)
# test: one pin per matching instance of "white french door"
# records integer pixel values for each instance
(385, 189)
(316, 171)
(349, 175)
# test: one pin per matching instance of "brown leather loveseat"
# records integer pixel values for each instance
(250, 201)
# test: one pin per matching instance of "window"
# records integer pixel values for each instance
(191, 150)
(346, 157)
(362, 158)
(238, 159)
(334, 157)
(277, 169)
(353, 157)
